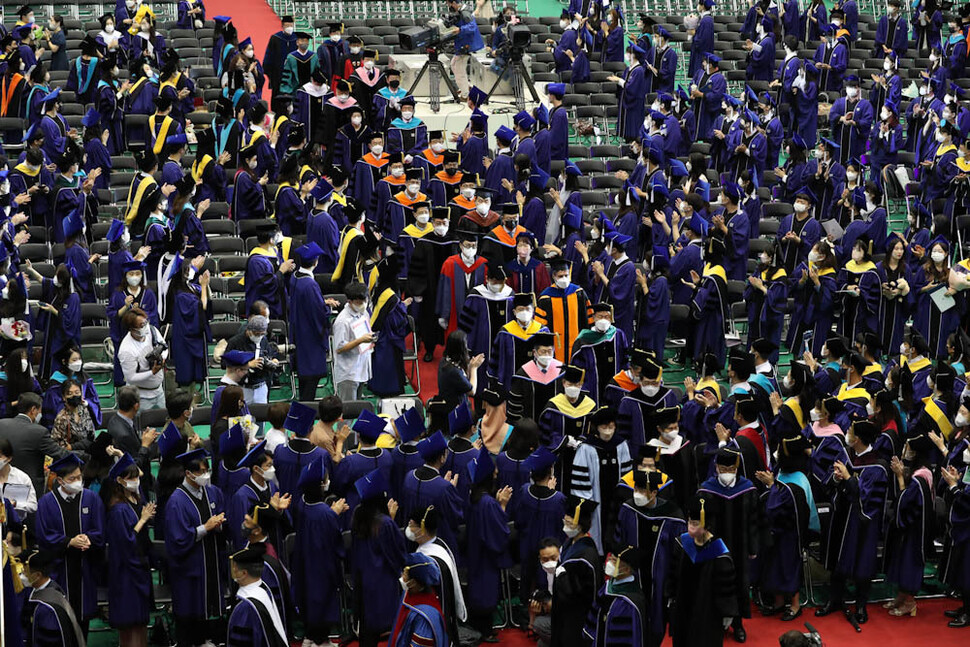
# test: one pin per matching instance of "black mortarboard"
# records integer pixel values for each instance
(581, 510)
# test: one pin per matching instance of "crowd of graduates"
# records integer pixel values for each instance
(554, 466)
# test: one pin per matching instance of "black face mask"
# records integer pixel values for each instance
(74, 400)
(450, 171)
(394, 84)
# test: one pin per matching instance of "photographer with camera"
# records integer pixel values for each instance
(253, 340)
(467, 41)
(142, 356)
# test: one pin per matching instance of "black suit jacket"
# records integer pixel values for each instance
(31, 443)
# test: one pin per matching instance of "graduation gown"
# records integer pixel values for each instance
(50, 620)
(482, 319)
(195, 565)
(290, 459)
(455, 282)
(297, 69)
(537, 512)
(368, 171)
(251, 622)
(317, 582)
(859, 313)
(709, 310)
(487, 553)
(424, 280)
(703, 593)
(390, 319)
(654, 531)
(814, 309)
(738, 514)
(130, 600)
(420, 621)
(632, 102)
(376, 563)
(787, 516)
(600, 355)
(619, 293)
(355, 465)
(857, 518)
(531, 389)
(510, 350)
(425, 486)
(596, 469)
(190, 325)
(565, 312)
(75, 571)
(309, 326)
(635, 412)
(574, 590)
(910, 538)
(278, 48)
(619, 616)
(248, 199)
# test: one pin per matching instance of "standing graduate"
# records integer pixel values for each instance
(566, 421)
(259, 490)
(278, 48)
(488, 549)
(563, 307)
(298, 66)
(194, 543)
(427, 486)
(255, 619)
(70, 525)
(734, 501)
(597, 467)
(614, 281)
(620, 610)
(365, 459)
(309, 322)
(377, 558)
(511, 345)
(126, 535)
(856, 526)
(600, 351)
(459, 274)
(420, 619)
(47, 617)
(290, 459)
(704, 597)
(267, 274)
(535, 381)
(652, 524)
(578, 575)
(632, 89)
(488, 308)
(389, 321)
(317, 582)
(638, 407)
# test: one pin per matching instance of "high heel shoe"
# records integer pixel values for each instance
(899, 612)
(890, 604)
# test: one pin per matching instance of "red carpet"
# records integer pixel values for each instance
(882, 630)
(252, 18)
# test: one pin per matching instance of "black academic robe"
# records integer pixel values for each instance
(703, 593)
(430, 252)
(574, 590)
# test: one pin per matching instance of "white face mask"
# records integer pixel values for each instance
(800, 207)
(355, 50)
(377, 150)
(133, 280)
(253, 163)
(814, 257)
(727, 479)
(904, 349)
(550, 566)
(468, 193)
(594, 234)
(288, 30)
(483, 208)
(966, 461)
(940, 137)
(640, 500)
(938, 256)
(410, 534)
(569, 531)
(857, 255)
(413, 188)
(4, 462)
(407, 115)
(132, 486)
(422, 219)
(670, 436)
(356, 120)
(610, 569)
(851, 176)
(524, 317)
(73, 487)
(563, 24)
(441, 230)
(202, 480)
(495, 288)
(815, 415)
(75, 366)
(437, 147)
(572, 392)
(650, 390)
(562, 282)
(852, 93)
(888, 65)
(870, 410)
(543, 360)
(602, 325)
(960, 420)
(24, 365)
(468, 253)
(606, 433)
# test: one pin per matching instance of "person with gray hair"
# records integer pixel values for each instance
(253, 339)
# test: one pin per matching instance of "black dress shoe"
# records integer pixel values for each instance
(861, 615)
(953, 613)
(828, 609)
(429, 357)
(740, 635)
(963, 620)
(788, 615)
(772, 611)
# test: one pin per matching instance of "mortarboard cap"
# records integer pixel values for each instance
(66, 465)
(191, 456)
(460, 418)
(237, 357)
(312, 475)
(300, 419)
(540, 460)
(169, 440)
(371, 485)
(410, 424)
(422, 568)
(483, 467)
(233, 441)
(432, 445)
(369, 425)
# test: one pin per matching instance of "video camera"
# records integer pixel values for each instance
(157, 354)
(431, 35)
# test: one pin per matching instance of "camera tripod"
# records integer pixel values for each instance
(436, 73)
(518, 75)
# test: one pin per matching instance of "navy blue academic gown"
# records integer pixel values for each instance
(317, 582)
(425, 486)
(488, 554)
(250, 623)
(786, 515)
(290, 459)
(390, 320)
(537, 512)
(910, 538)
(309, 318)
(190, 325)
(264, 283)
(75, 571)
(130, 581)
(376, 563)
(195, 568)
(857, 515)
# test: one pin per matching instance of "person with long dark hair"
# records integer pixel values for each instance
(16, 379)
(190, 314)
(457, 372)
(60, 316)
(377, 558)
(126, 533)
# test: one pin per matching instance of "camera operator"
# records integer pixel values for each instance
(467, 41)
(795, 638)
(142, 355)
(253, 340)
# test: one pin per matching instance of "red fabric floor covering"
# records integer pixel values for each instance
(252, 18)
